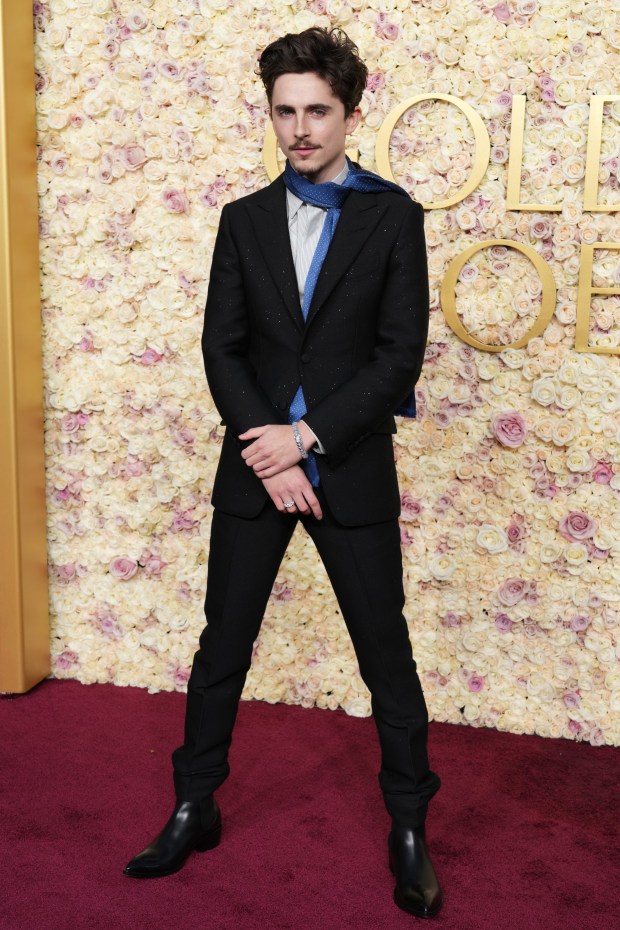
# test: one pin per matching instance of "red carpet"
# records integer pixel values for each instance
(523, 832)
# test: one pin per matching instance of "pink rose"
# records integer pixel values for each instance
(70, 423)
(180, 677)
(174, 200)
(66, 659)
(579, 623)
(451, 619)
(511, 591)
(154, 565)
(515, 532)
(376, 79)
(123, 568)
(577, 526)
(509, 428)
(602, 473)
(185, 436)
(503, 623)
(108, 625)
(572, 699)
(133, 156)
(134, 468)
(150, 357)
(476, 683)
(502, 13)
(597, 737)
(66, 573)
(410, 507)
(540, 227)
(184, 521)
(170, 69)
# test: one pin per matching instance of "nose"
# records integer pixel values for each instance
(301, 128)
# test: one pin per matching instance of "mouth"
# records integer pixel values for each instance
(304, 149)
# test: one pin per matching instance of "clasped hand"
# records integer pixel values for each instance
(274, 456)
(274, 448)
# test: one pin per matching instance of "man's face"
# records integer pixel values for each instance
(310, 125)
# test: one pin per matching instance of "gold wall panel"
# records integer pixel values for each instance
(24, 623)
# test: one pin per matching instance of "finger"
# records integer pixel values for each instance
(253, 433)
(266, 472)
(257, 457)
(252, 450)
(289, 509)
(314, 505)
(302, 504)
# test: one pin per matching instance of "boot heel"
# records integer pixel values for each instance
(211, 839)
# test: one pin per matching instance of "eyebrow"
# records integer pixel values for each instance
(311, 106)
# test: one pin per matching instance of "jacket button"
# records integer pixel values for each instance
(305, 358)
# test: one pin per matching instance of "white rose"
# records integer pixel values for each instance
(442, 567)
(575, 554)
(551, 552)
(578, 460)
(492, 538)
(543, 391)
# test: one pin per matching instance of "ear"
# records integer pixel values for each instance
(353, 120)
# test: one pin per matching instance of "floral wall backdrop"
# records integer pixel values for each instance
(150, 119)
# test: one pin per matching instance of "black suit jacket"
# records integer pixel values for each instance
(357, 356)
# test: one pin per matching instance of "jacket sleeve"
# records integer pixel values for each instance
(347, 415)
(226, 339)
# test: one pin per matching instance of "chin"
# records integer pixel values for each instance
(308, 171)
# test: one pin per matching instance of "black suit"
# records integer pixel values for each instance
(357, 356)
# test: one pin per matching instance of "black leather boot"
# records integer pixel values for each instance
(194, 825)
(417, 889)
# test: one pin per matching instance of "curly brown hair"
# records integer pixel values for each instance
(330, 53)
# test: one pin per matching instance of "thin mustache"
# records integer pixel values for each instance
(302, 146)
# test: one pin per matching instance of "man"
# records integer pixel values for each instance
(315, 328)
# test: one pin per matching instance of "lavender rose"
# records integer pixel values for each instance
(577, 525)
(503, 623)
(123, 568)
(509, 428)
(410, 507)
(511, 591)
(174, 200)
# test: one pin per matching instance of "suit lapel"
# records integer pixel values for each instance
(360, 215)
(269, 219)
(358, 219)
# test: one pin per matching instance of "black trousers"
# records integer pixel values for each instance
(364, 565)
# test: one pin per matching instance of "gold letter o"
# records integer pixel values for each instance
(448, 296)
(483, 145)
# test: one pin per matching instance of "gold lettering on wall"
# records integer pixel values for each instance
(584, 299)
(515, 161)
(481, 156)
(448, 294)
(595, 133)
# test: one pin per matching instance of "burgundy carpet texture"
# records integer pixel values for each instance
(524, 832)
